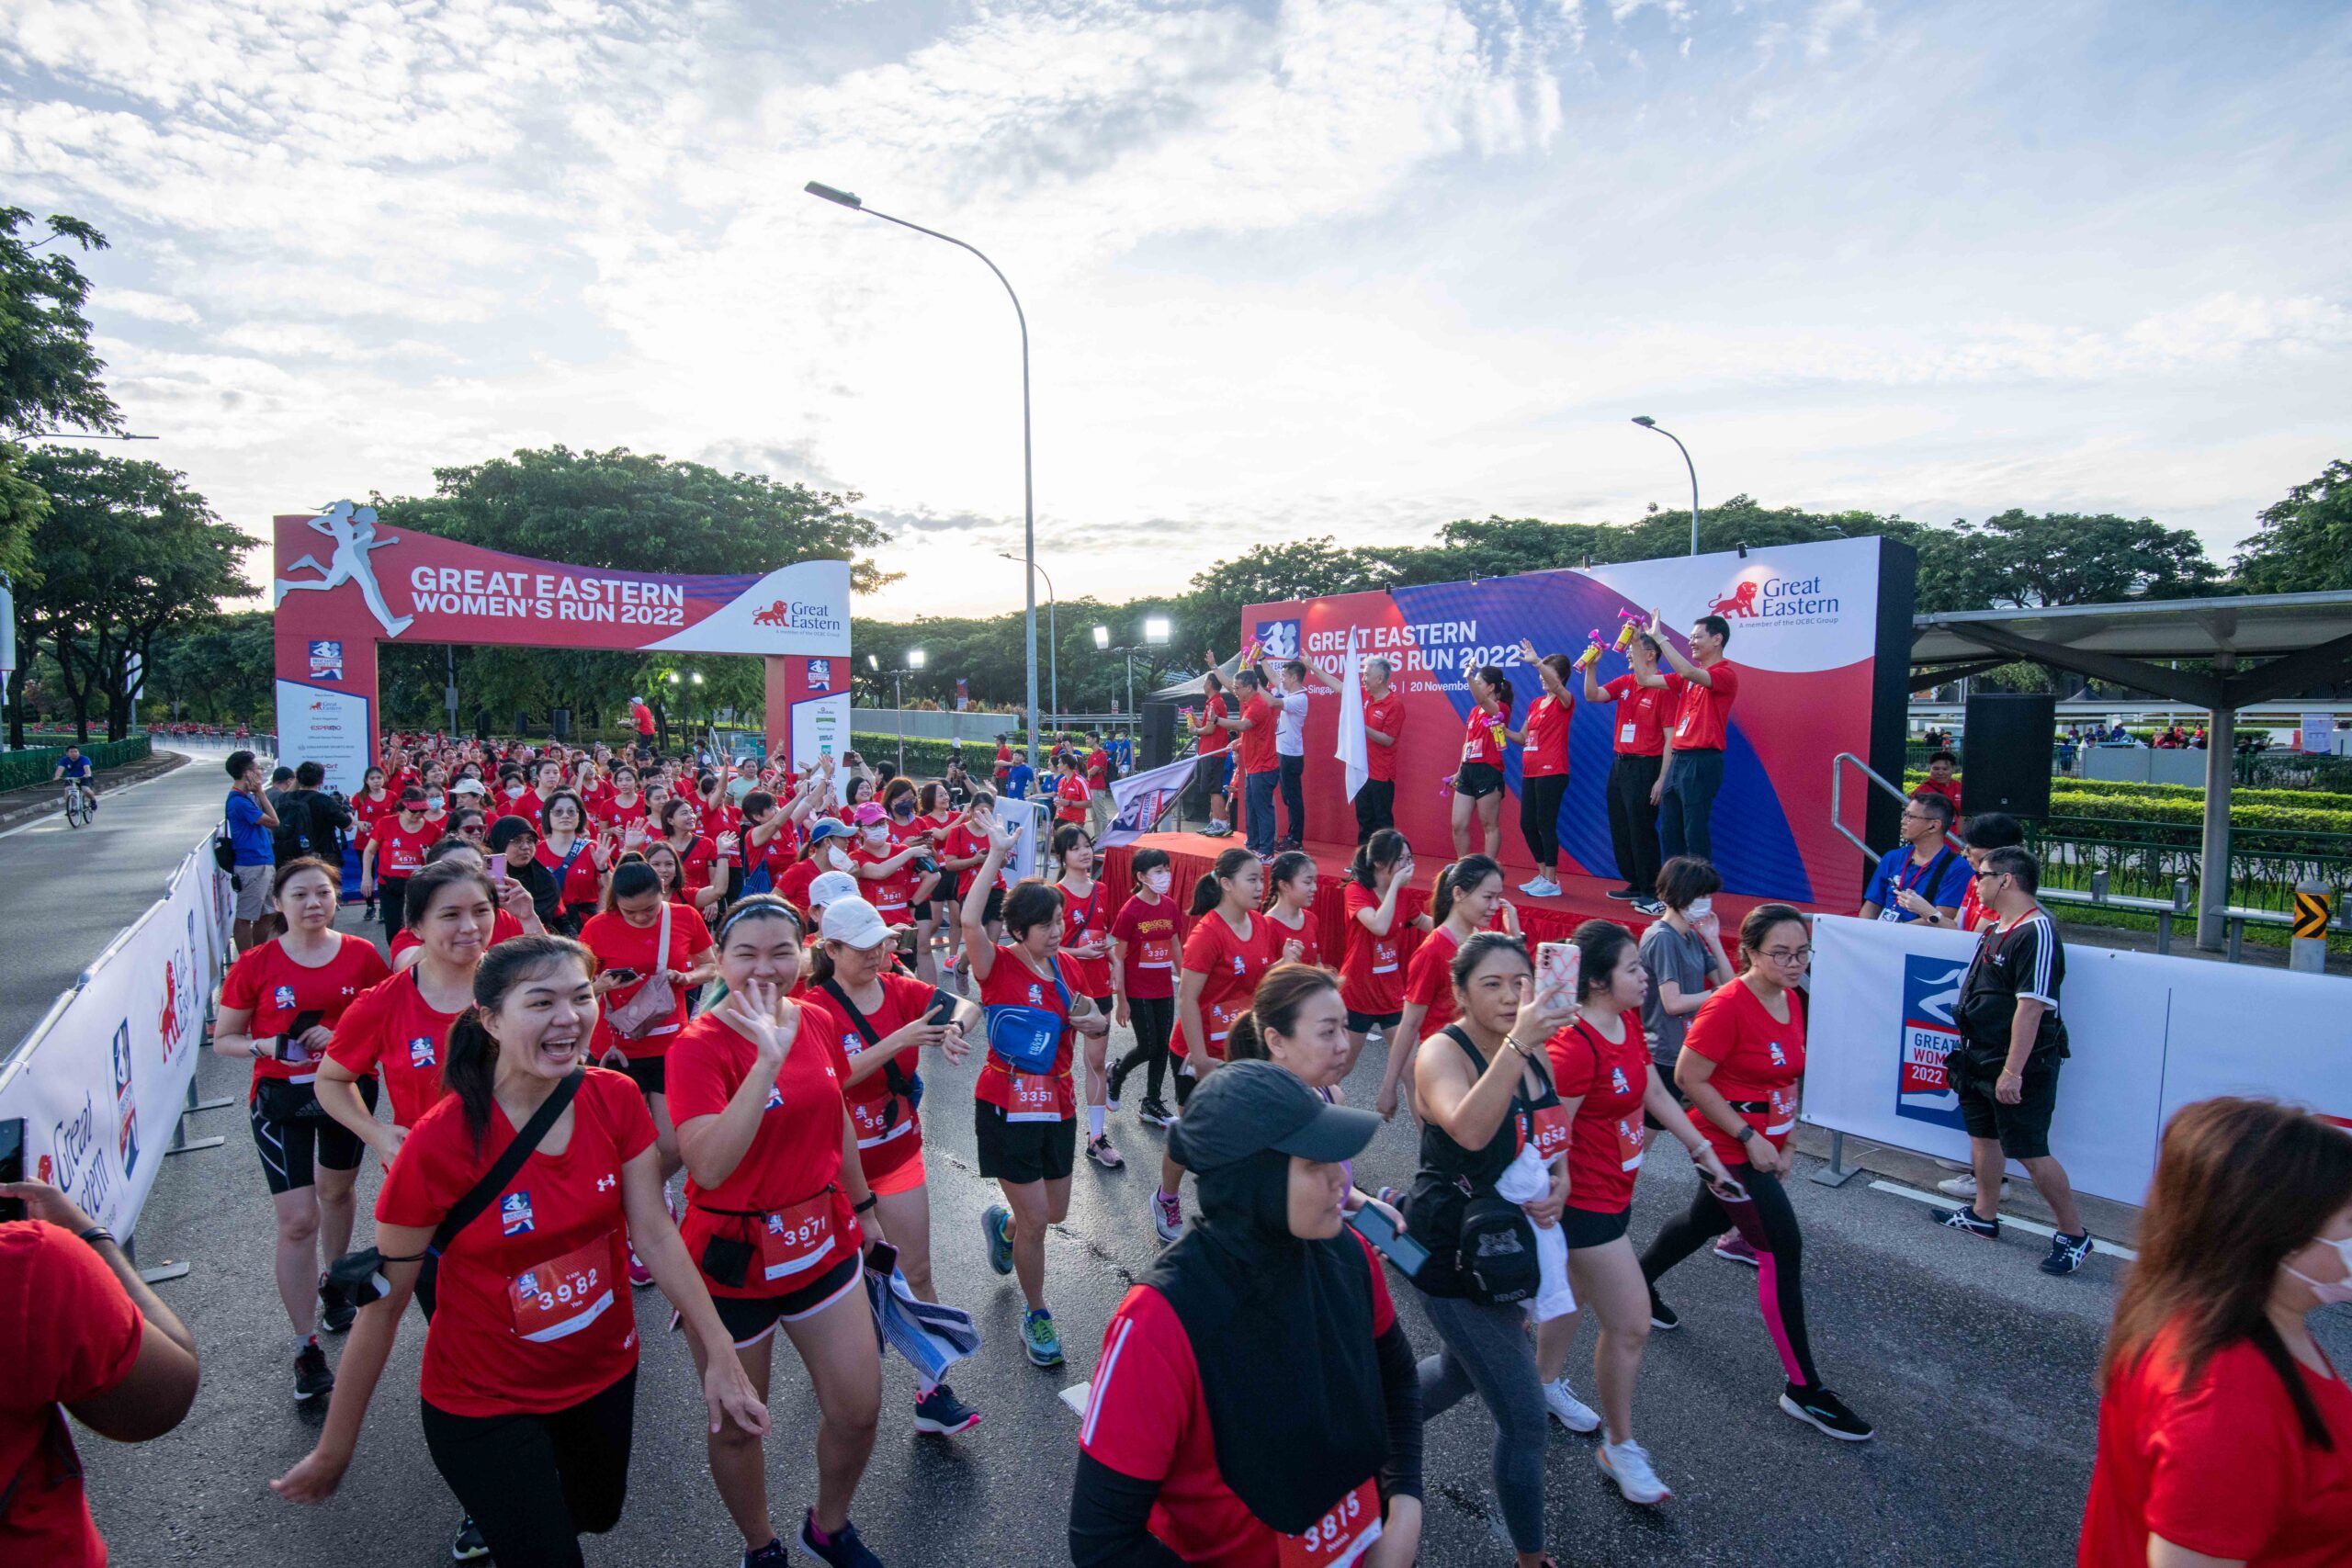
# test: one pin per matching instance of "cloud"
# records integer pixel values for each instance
(145, 306)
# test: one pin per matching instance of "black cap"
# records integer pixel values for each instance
(1247, 1107)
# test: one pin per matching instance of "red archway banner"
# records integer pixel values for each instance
(346, 582)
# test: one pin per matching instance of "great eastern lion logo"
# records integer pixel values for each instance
(775, 615)
(1741, 601)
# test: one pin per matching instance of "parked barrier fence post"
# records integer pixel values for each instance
(1837, 1173)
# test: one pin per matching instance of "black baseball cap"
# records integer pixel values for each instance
(1245, 1108)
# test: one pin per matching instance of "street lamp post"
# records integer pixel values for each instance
(1053, 647)
(1028, 469)
(913, 666)
(1646, 423)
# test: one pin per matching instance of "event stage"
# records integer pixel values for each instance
(1581, 898)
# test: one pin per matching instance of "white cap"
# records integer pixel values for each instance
(831, 887)
(468, 786)
(852, 921)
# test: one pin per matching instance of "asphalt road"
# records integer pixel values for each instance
(1976, 1368)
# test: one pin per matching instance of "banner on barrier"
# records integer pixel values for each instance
(2149, 1036)
(1142, 800)
(100, 1090)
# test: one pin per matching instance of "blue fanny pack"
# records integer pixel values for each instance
(1028, 1038)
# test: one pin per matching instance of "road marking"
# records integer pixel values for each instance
(54, 817)
(2028, 1226)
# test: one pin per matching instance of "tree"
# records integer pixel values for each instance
(220, 669)
(125, 553)
(1308, 569)
(2069, 557)
(49, 377)
(2304, 544)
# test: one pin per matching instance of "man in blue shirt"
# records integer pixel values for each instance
(252, 822)
(1924, 877)
(76, 767)
(1019, 777)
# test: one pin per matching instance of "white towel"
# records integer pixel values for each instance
(1525, 1180)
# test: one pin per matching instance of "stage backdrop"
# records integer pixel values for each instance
(1820, 634)
(345, 582)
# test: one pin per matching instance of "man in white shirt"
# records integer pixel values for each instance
(1289, 694)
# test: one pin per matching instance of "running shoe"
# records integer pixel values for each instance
(1661, 1315)
(842, 1548)
(1820, 1408)
(1217, 830)
(1040, 1337)
(1649, 907)
(771, 1555)
(1167, 1217)
(469, 1547)
(1100, 1151)
(1628, 1464)
(2067, 1253)
(1540, 887)
(312, 1376)
(996, 1226)
(1964, 1219)
(1964, 1186)
(1119, 1070)
(639, 1274)
(335, 1311)
(1732, 1247)
(942, 1415)
(1626, 895)
(1567, 1409)
(1154, 1109)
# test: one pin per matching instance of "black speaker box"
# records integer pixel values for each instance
(1159, 735)
(559, 723)
(2005, 753)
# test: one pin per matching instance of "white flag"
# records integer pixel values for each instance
(1354, 749)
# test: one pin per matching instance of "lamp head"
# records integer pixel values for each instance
(1101, 637)
(872, 663)
(1156, 629)
(914, 657)
(1645, 422)
(839, 197)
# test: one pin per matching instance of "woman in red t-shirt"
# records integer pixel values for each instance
(1477, 784)
(1026, 1121)
(278, 1006)
(622, 805)
(1741, 1060)
(1291, 879)
(573, 858)
(680, 823)
(530, 1356)
(1143, 941)
(1215, 742)
(1087, 914)
(371, 804)
(773, 1190)
(1601, 1068)
(1469, 897)
(1543, 769)
(886, 869)
(1071, 793)
(2224, 1431)
(1372, 968)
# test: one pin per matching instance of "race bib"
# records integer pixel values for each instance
(1383, 958)
(1158, 953)
(1340, 1537)
(797, 1239)
(1033, 1099)
(1633, 1142)
(1219, 1017)
(876, 1125)
(1783, 1118)
(563, 1295)
(1550, 1134)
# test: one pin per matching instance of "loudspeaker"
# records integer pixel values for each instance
(2005, 753)
(559, 723)
(522, 722)
(1159, 735)
(482, 724)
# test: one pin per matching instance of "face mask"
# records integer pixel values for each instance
(836, 859)
(1159, 882)
(2333, 1289)
(1699, 909)
(877, 835)
(514, 792)
(433, 801)
(903, 810)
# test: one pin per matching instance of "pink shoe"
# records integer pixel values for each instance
(639, 1274)
(1733, 1249)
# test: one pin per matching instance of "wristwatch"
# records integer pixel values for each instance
(1747, 1133)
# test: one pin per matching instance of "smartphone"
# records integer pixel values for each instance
(943, 1007)
(1556, 966)
(12, 1164)
(289, 1045)
(1402, 1250)
(497, 868)
(1729, 1190)
(623, 975)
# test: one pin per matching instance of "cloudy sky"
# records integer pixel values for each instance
(1352, 267)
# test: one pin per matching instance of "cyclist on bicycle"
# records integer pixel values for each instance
(74, 768)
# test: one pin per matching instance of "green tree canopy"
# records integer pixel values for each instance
(2071, 557)
(49, 377)
(2304, 542)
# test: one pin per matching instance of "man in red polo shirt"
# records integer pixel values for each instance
(1259, 765)
(1701, 731)
(1646, 702)
(1384, 725)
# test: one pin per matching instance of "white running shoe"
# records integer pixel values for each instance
(1534, 887)
(1167, 1217)
(1965, 1187)
(1628, 1464)
(1567, 1409)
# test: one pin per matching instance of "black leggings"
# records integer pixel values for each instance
(1769, 1226)
(1155, 1020)
(534, 1482)
(1539, 817)
(392, 902)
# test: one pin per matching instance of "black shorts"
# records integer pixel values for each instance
(1584, 1228)
(751, 1319)
(1023, 1152)
(2023, 1129)
(651, 1073)
(296, 1137)
(1478, 780)
(995, 910)
(950, 889)
(1364, 1022)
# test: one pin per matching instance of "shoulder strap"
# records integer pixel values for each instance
(495, 1179)
(892, 1073)
(564, 871)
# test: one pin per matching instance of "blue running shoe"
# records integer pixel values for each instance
(996, 1225)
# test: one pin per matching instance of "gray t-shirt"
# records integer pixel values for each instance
(1681, 957)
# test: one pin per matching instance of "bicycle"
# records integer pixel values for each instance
(80, 805)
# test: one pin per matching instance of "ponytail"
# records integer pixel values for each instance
(1457, 879)
(1206, 893)
(1282, 992)
(1500, 684)
(1386, 847)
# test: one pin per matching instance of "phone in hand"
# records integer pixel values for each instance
(289, 1045)
(12, 1164)
(1556, 967)
(1398, 1248)
(1729, 1190)
(625, 975)
(943, 1007)
(498, 868)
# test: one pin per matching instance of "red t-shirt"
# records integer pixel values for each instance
(1230, 967)
(580, 887)
(1306, 934)
(1097, 769)
(1083, 919)
(276, 990)
(693, 864)
(1973, 915)
(776, 853)
(1071, 797)
(1949, 789)
(892, 895)
(528, 805)
(1428, 979)
(1702, 719)
(1641, 713)
(614, 812)
(1371, 973)
(1038, 1096)
(534, 1314)
(391, 1026)
(503, 927)
(1757, 1057)
(1148, 932)
(1387, 715)
(887, 1137)
(1483, 737)
(1605, 1153)
(366, 813)
(790, 1175)
(1216, 738)
(68, 1332)
(399, 851)
(1148, 1418)
(2218, 1466)
(1258, 740)
(619, 946)
(1546, 752)
(1003, 764)
(792, 883)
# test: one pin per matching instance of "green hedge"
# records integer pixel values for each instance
(2190, 813)
(20, 769)
(2314, 799)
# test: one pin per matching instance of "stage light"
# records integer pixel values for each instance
(1156, 629)
(915, 659)
(1101, 640)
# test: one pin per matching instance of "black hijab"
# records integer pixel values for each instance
(1281, 1331)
